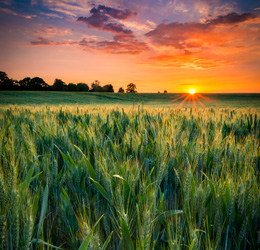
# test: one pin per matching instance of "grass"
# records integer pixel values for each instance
(152, 100)
(103, 177)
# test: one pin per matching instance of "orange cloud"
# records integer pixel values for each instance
(187, 60)
(207, 44)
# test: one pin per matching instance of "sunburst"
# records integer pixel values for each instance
(191, 98)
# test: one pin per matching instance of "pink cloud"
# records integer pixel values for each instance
(49, 31)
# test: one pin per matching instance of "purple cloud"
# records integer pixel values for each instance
(115, 13)
(116, 28)
(102, 17)
(95, 21)
(232, 18)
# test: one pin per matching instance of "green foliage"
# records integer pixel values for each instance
(108, 178)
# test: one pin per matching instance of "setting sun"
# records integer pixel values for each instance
(192, 91)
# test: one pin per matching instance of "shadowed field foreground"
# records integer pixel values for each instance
(37, 98)
(110, 178)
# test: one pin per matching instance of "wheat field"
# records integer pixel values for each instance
(129, 178)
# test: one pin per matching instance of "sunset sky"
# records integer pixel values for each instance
(208, 45)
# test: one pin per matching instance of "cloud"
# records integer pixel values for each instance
(112, 20)
(187, 60)
(103, 18)
(49, 31)
(42, 41)
(98, 22)
(95, 21)
(139, 26)
(207, 44)
(71, 8)
(198, 34)
(112, 12)
(116, 28)
(120, 45)
(8, 11)
(232, 18)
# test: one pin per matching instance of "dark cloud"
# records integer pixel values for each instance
(42, 41)
(95, 21)
(116, 28)
(115, 13)
(107, 19)
(124, 37)
(232, 18)
(102, 17)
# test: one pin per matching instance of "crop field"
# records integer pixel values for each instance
(134, 177)
(39, 98)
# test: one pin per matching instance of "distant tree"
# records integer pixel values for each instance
(25, 83)
(95, 83)
(121, 90)
(38, 83)
(131, 88)
(82, 87)
(15, 84)
(108, 88)
(72, 87)
(5, 82)
(158, 92)
(165, 92)
(35, 83)
(96, 86)
(58, 85)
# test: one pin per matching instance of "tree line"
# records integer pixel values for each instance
(38, 84)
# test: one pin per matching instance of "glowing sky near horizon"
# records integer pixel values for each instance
(208, 45)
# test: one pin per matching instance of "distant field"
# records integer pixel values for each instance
(151, 100)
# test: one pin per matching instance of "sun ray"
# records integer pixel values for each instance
(186, 98)
(192, 98)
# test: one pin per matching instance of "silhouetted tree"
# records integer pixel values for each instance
(121, 90)
(38, 83)
(58, 85)
(165, 92)
(131, 88)
(35, 83)
(25, 83)
(96, 86)
(82, 87)
(108, 88)
(95, 83)
(72, 87)
(5, 82)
